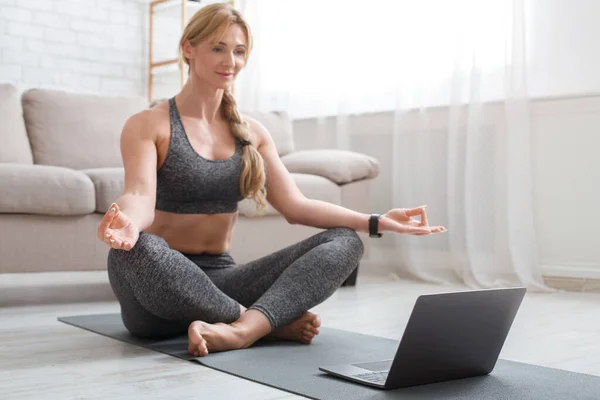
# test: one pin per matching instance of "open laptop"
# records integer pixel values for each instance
(448, 336)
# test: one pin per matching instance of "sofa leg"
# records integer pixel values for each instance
(351, 280)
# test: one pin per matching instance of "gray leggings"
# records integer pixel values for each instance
(161, 290)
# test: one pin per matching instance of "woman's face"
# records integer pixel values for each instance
(219, 63)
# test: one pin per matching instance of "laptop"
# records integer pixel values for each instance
(448, 336)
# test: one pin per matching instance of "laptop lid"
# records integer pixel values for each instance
(454, 335)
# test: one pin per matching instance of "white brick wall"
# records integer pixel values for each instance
(93, 46)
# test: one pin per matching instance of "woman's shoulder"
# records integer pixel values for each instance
(151, 114)
(147, 125)
(258, 132)
(156, 112)
(151, 120)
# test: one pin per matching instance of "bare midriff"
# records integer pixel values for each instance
(195, 233)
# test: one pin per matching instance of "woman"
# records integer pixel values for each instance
(188, 162)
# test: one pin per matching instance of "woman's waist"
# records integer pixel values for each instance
(194, 233)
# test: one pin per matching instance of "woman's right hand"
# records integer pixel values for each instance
(117, 230)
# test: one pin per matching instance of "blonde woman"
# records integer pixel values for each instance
(188, 162)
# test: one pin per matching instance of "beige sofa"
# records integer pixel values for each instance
(61, 167)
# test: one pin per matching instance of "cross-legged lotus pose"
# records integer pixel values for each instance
(188, 162)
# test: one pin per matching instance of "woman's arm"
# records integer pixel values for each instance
(283, 194)
(138, 150)
(321, 214)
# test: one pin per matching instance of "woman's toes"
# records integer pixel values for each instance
(316, 322)
(203, 349)
(197, 344)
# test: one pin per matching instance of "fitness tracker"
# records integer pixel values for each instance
(374, 226)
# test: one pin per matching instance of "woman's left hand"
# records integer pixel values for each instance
(400, 220)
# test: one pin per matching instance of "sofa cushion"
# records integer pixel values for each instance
(42, 189)
(340, 166)
(311, 186)
(14, 144)
(108, 183)
(77, 130)
(279, 125)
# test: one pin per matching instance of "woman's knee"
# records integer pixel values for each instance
(348, 238)
(147, 248)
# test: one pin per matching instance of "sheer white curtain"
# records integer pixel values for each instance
(454, 76)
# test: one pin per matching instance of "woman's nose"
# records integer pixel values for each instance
(229, 61)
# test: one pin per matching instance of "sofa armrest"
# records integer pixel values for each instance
(339, 166)
(45, 189)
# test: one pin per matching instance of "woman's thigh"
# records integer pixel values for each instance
(247, 282)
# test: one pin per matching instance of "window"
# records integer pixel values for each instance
(323, 57)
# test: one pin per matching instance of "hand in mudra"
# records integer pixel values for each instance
(117, 230)
(400, 220)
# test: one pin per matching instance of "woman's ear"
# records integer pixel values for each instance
(187, 50)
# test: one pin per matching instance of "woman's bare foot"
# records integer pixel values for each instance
(204, 338)
(303, 329)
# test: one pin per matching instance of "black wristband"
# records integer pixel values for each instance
(374, 226)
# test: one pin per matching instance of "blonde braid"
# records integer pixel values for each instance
(253, 176)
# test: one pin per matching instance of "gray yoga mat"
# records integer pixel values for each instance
(293, 367)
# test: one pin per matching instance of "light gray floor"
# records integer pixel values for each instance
(42, 358)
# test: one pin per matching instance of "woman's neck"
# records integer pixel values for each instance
(200, 101)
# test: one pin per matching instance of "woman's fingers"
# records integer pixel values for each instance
(418, 230)
(107, 237)
(420, 211)
(108, 234)
(119, 244)
(104, 225)
(115, 214)
(414, 222)
(115, 242)
(414, 226)
(409, 228)
(429, 230)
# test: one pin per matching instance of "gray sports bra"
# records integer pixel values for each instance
(188, 183)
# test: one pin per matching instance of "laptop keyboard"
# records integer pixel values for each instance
(375, 377)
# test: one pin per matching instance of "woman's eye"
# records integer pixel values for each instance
(239, 52)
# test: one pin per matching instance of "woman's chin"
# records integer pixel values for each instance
(223, 85)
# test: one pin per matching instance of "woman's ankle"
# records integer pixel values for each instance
(251, 326)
